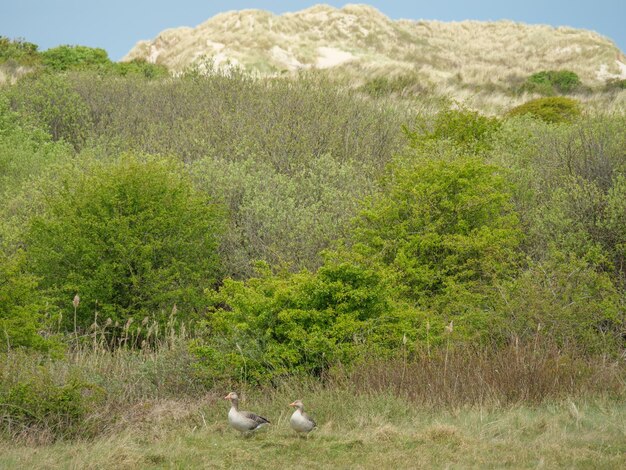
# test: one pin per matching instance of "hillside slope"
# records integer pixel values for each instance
(359, 42)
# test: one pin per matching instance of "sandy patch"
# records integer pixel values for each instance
(285, 58)
(331, 57)
(604, 74)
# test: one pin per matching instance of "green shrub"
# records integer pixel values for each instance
(34, 401)
(49, 102)
(139, 67)
(131, 237)
(446, 230)
(21, 308)
(552, 82)
(470, 131)
(70, 57)
(285, 220)
(18, 50)
(25, 150)
(565, 299)
(275, 326)
(553, 109)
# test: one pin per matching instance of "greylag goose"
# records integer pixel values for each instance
(243, 421)
(300, 421)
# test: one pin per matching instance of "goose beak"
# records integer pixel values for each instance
(227, 397)
(292, 404)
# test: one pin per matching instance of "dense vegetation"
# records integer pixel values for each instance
(252, 230)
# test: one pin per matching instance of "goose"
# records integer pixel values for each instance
(300, 421)
(243, 421)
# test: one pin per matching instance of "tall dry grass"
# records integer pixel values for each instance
(529, 373)
(131, 387)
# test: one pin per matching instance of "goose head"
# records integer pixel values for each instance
(297, 404)
(233, 398)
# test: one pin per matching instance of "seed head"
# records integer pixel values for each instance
(76, 301)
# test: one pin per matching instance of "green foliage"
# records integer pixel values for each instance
(25, 150)
(36, 400)
(552, 82)
(555, 109)
(21, 310)
(567, 300)
(272, 326)
(18, 50)
(446, 229)
(568, 186)
(470, 131)
(131, 237)
(285, 220)
(66, 57)
(218, 115)
(51, 103)
(139, 67)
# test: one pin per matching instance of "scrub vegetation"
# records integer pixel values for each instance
(440, 287)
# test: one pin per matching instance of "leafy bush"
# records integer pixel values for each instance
(139, 67)
(468, 130)
(285, 220)
(272, 326)
(446, 229)
(553, 109)
(18, 50)
(21, 309)
(131, 237)
(70, 57)
(25, 150)
(50, 103)
(567, 300)
(35, 401)
(552, 82)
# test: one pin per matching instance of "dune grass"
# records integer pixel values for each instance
(378, 431)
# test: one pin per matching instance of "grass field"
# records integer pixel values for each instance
(377, 431)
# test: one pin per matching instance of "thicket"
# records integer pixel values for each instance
(552, 82)
(279, 227)
(554, 109)
(16, 53)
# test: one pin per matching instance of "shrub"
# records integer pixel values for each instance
(275, 326)
(139, 67)
(70, 57)
(552, 82)
(132, 237)
(567, 300)
(50, 103)
(18, 50)
(446, 229)
(553, 109)
(25, 150)
(35, 402)
(21, 309)
(285, 220)
(470, 131)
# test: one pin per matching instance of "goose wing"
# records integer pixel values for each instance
(259, 420)
(306, 416)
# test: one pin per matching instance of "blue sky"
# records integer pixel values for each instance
(116, 25)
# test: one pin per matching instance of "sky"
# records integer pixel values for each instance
(116, 25)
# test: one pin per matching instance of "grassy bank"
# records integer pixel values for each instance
(378, 431)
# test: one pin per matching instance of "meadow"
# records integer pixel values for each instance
(441, 287)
